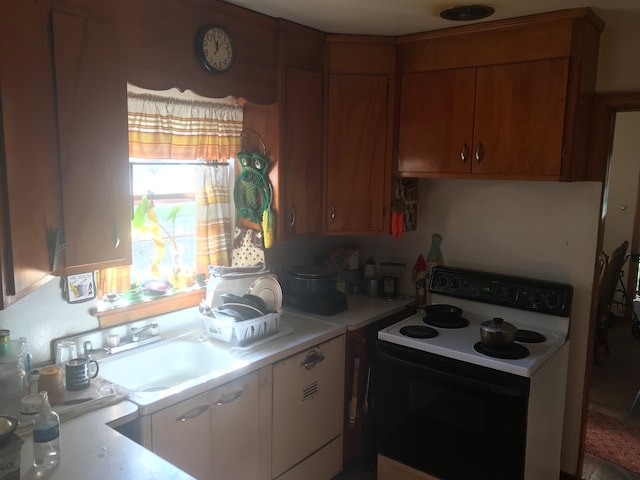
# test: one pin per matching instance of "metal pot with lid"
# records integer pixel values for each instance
(497, 333)
(310, 280)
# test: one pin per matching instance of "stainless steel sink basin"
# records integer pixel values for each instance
(163, 366)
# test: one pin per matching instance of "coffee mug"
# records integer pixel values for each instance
(50, 380)
(78, 373)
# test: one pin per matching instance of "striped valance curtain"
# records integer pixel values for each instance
(166, 128)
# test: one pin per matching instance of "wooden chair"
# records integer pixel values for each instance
(610, 271)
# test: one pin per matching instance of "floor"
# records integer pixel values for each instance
(615, 385)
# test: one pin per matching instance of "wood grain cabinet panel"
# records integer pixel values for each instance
(301, 98)
(29, 171)
(435, 127)
(357, 162)
(495, 121)
(507, 100)
(94, 150)
(302, 150)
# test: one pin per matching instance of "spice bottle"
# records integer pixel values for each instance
(46, 436)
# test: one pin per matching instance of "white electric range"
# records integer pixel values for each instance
(450, 395)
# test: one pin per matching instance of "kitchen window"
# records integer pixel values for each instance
(181, 171)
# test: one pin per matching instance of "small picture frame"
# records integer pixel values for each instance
(80, 288)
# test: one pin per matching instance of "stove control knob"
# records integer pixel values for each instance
(552, 300)
(441, 282)
(536, 297)
(454, 283)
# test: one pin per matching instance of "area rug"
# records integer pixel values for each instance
(613, 440)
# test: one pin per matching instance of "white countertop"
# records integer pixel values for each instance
(92, 449)
(298, 333)
(361, 310)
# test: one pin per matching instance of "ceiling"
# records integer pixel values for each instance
(399, 17)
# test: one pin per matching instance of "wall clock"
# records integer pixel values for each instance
(214, 48)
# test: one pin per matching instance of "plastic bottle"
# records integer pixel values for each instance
(46, 436)
(434, 257)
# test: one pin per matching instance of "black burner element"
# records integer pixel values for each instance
(446, 321)
(419, 331)
(511, 352)
(529, 336)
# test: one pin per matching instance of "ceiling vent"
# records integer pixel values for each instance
(466, 13)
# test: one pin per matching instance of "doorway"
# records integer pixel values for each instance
(612, 385)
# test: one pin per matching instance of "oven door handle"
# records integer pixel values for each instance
(518, 391)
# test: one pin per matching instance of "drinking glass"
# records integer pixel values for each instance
(65, 350)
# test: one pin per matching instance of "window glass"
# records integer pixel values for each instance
(170, 187)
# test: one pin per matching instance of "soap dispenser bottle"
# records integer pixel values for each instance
(46, 436)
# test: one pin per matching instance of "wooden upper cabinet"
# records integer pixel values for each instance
(519, 119)
(508, 99)
(301, 90)
(427, 144)
(29, 174)
(302, 151)
(356, 153)
(359, 122)
(497, 120)
(94, 152)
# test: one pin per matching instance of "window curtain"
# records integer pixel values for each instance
(176, 129)
(172, 129)
(213, 216)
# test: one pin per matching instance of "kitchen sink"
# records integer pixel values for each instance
(167, 365)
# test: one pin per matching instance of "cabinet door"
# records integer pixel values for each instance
(358, 165)
(94, 152)
(435, 131)
(303, 143)
(307, 403)
(519, 118)
(181, 434)
(29, 171)
(235, 427)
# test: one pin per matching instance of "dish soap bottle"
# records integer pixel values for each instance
(46, 436)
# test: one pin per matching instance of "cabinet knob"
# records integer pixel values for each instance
(293, 217)
(116, 234)
(333, 213)
(464, 152)
(479, 152)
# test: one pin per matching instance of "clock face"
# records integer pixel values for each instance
(214, 49)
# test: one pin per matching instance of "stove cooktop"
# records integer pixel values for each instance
(528, 304)
(457, 343)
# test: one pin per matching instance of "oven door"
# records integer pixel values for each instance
(450, 419)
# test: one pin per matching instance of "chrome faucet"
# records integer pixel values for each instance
(135, 332)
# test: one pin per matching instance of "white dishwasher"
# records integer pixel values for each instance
(308, 391)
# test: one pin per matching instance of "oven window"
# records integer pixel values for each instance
(447, 407)
(448, 419)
